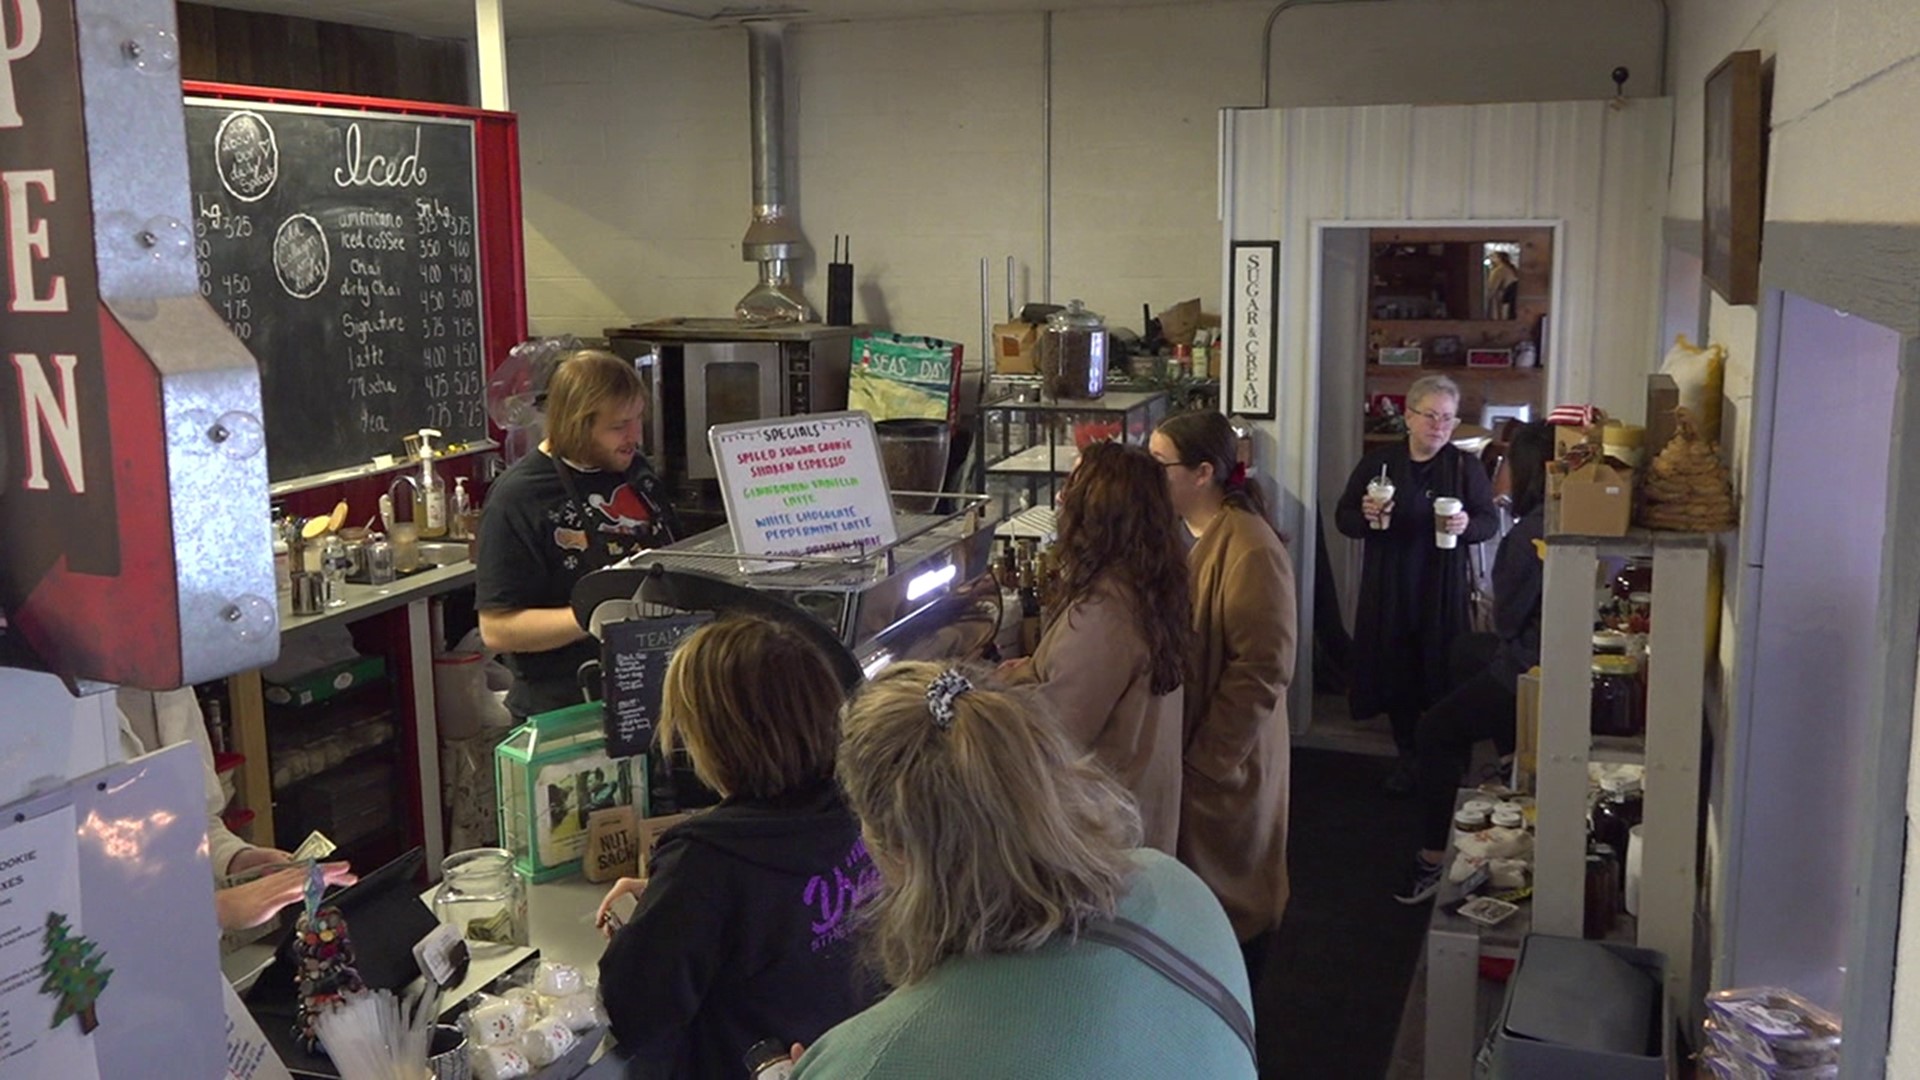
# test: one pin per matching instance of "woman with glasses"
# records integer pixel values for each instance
(1414, 593)
(1238, 762)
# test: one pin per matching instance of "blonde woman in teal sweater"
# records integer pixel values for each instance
(1024, 931)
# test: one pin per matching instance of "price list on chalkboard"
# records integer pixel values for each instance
(633, 662)
(341, 247)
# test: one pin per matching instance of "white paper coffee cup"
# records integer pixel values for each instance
(1444, 507)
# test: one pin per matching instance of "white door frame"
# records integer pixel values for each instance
(1308, 542)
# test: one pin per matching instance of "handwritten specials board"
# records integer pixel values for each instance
(633, 663)
(340, 246)
(803, 485)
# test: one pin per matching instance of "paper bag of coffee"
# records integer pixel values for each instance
(613, 845)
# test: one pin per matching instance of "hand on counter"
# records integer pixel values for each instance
(606, 918)
(245, 906)
(256, 858)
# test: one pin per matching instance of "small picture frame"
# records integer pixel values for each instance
(1445, 347)
(1489, 358)
(1400, 356)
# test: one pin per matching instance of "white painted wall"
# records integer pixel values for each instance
(1595, 170)
(1845, 89)
(925, 140)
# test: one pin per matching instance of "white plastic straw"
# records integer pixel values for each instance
(378, 1037)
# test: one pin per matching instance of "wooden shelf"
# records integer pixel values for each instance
(1457, 372)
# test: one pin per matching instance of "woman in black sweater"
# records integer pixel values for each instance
(741, 929)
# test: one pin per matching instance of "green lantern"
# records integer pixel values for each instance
(552, 773)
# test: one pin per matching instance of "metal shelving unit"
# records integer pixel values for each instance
(1028, 444)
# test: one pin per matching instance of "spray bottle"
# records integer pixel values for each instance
(430, 492)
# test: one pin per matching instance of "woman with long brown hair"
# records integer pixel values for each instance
(1113, 656)
(1233, 807)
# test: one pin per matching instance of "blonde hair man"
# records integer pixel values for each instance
(585, 499)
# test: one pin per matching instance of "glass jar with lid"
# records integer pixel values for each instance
(1616, 708)
(1618, 811)
(1073, 353)
(484, 896)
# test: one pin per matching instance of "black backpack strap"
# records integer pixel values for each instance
(1180, 969)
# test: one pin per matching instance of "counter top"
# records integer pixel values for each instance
(365, 600)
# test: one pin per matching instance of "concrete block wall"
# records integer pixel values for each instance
(925, 139)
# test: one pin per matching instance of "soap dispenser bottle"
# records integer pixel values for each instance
(430, 492)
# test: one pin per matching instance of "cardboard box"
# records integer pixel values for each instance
(1566, 437)
(1583, 1010)
(1663, 396)
(327, 682)
(1595, 500)
(1016, 348)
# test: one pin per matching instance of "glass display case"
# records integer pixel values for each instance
(1029, 443)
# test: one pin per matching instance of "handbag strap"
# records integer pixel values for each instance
(1179, 968)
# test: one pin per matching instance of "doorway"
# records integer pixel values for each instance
(1393, 301)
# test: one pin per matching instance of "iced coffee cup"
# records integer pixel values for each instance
(1380, 490)
(1444, 507)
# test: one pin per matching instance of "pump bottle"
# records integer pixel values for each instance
(430, 491)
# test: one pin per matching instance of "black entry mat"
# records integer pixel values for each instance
(1330, 1000)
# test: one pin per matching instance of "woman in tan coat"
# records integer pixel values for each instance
(1113, 656)
(1233, 810)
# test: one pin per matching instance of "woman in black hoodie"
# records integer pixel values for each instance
(740, 932)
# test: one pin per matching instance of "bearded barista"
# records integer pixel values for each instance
(583, 500)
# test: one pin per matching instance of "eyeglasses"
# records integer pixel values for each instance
(1434, 418)
(1174, 465)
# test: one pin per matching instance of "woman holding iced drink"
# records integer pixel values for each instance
(1417, 506)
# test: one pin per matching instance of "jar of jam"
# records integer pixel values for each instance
(1469, 820)
(1618, 811)
(1616, 702)
(1602, 893)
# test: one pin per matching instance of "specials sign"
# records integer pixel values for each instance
(1252, 352)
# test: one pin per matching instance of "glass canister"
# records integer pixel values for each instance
(1616, 702)
(1073, 353)
(484, 896)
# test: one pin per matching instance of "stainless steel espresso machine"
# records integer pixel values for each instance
(929, 595)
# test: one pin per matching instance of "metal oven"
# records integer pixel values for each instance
(704, 372)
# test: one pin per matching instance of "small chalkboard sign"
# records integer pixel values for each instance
(803, 485)
(633, 662)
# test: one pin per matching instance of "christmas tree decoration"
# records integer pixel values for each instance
(72, 973)
(1687, 488)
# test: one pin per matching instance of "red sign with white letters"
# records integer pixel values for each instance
(72, 598)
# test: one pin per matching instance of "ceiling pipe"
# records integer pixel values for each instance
(773, 239)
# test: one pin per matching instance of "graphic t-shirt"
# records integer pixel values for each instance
(537, 540)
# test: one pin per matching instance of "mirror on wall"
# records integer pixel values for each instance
(1447, 281)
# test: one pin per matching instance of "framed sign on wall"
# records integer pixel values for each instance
(1736, 174)
(1252, 352)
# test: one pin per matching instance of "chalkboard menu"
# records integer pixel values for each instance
(340, 246)
(633, 661)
